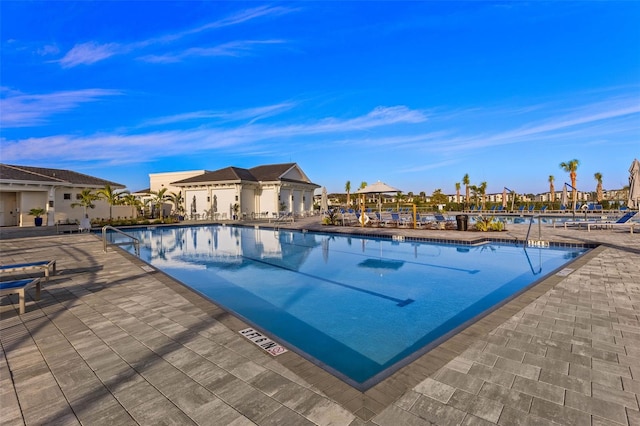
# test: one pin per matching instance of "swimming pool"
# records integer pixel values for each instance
(359, 307)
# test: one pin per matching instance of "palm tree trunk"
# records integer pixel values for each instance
(574, 191)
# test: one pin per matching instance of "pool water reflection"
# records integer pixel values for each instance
(359, 307)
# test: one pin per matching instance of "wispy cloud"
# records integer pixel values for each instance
(23, 110)
(564, 121)
(234, 49)
(118, 147)
(396, 131)
(91, 52)
(251, 114)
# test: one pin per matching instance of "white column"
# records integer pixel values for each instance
(51, 209)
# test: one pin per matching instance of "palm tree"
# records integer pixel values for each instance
(85, 200)
(466, 182)
(571, 167)
(598, 178)
(347, 188)
(111, 196)
(363, 185)
(176, 200)
(158, 197)
(482, 189)
(458, 192)
(552, 189)
(399, 198)
(133, 201)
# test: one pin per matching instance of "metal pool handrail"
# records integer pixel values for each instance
(134, 240)
(526, 240)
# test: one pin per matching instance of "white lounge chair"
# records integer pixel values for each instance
(19, 287)
(623, 221)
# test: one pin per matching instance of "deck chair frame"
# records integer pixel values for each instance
(48, 267)
(20, 287)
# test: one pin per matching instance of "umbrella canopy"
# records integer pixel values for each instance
(634, 185)
(193, 205)
(564, 197)
(324, 202)
(215, 204)
(504, 198)
(377, 188)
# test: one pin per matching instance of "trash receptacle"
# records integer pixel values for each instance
(462, 221)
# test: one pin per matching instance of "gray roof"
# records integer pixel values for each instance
(270, 172)
(40, 174)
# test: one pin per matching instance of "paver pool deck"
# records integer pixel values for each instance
(114, 342)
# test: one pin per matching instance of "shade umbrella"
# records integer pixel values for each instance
(504, 198)
(324, 202)
(378, 188)
(634, 185)
(193, 205)
(564, 197)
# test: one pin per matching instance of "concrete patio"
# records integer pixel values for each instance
(113, 341)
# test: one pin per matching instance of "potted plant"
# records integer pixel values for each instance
(37, 212)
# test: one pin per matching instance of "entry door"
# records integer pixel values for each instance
(8, 215)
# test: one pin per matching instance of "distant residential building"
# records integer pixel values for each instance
(23, 188)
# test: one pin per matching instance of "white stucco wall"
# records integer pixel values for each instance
(268, 201)
(202, 204)
(226, 198)
(157, 181)
(248, 201)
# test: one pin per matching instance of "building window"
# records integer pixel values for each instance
(67, 196)
(78, 196)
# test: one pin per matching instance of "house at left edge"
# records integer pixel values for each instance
(23, 188)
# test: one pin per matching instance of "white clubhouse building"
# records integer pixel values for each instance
(257, 192)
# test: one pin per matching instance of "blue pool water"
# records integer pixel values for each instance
(359, 307)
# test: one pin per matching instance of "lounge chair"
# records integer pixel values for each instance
(386, 219)
(398, 220)
(85, 225)
(441, 219)
(623, 221)
(602, 223)
(19, 287)
(348, 217)
(46, 266)
(374, 218)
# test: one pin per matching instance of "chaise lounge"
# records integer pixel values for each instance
(46, 266)
(20, 287)
(623, 221)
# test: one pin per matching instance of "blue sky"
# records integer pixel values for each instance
(414, 94)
